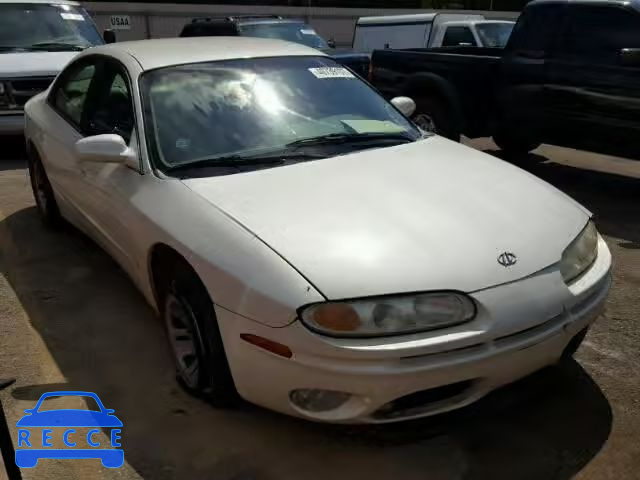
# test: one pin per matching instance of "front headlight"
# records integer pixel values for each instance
(580, 254)
(383, 316)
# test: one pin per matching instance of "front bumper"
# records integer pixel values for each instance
(11, 123)
(520, 328)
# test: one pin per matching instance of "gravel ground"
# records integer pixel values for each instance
(70, 319)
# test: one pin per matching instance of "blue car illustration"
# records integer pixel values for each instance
(68, 419)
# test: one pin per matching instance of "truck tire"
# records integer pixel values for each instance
(514, 144)
(434, 115)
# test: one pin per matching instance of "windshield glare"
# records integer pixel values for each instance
(292, 32)
(495, 34)
(26, 25)
(248, 107)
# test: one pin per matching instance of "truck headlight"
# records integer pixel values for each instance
(393, 315)
(580, 254)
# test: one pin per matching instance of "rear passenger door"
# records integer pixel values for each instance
(63, 124)
(594, 95)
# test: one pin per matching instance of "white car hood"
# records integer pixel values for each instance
(33, 64)
(429, 215)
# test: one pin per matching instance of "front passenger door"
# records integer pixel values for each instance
(108, 188)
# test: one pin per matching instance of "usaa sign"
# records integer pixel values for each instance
(120, 22)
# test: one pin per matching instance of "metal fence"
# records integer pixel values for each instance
(160, 20)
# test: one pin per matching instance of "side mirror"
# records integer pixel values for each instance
(630, 57)
(406, 105)
(109, 36)
(105, 148)
(331, 42)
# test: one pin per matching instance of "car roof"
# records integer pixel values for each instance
(411, 18)
(456, 23)
(50, 2)
(152, 54)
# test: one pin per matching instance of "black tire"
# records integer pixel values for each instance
(43, 193)
(185, 302)
(434, 115)
(574, 344)
(515, 144)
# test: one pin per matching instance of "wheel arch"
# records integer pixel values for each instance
(161, 259)
(431, 85)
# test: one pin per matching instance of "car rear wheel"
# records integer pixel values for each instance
(190, 321)
(43, 193)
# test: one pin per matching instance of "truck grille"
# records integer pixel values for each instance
(19, 90)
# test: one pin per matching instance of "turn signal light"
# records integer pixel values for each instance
(269, 345)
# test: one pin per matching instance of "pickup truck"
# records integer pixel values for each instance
(569, 76)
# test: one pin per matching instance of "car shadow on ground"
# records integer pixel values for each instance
(613, 199)
(105, 339)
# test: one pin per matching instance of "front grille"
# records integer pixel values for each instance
(20, 90)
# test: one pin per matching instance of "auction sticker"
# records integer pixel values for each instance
(331, 72)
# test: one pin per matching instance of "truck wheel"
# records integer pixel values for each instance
(201, 362)
(514, 144)
(433, 115)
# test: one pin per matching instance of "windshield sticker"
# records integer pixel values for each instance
(72, 16)
(183, 144)
(331, 72)
(308, 31)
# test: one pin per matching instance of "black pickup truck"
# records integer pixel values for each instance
(569, 75)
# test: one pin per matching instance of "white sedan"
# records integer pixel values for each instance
(308, 248)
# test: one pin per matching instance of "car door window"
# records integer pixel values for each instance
(536, 31)
(70, 94)
(111, 110)
(599, 33)
(455, 36)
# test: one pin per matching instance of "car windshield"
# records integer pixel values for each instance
(495, 34)
(292, 32)
(263, 106)
(31, 26)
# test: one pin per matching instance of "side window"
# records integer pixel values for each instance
(71, 92)
(536, 30)
(599, 33)
(111, 110)
(455, 36)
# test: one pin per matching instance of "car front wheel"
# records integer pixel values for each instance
(189, 317)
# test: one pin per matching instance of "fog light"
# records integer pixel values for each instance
(315, 400)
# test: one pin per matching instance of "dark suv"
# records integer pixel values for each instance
(273, 26)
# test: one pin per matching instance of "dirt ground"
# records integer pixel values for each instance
(70, 319)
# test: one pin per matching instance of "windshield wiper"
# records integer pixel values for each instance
(239, 161)
(340, 138)
(57, 46)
